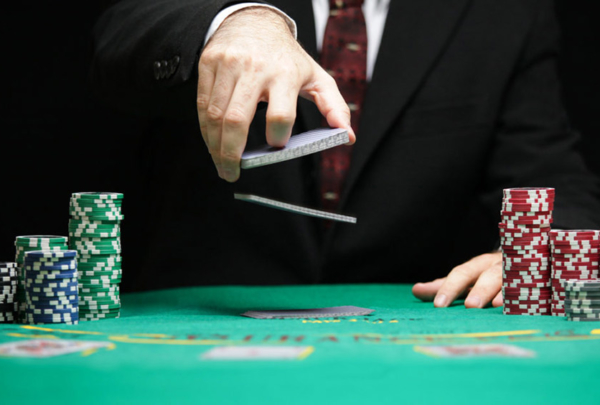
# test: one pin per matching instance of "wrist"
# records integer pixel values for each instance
(266, 16)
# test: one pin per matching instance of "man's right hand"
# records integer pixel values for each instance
(254, 57)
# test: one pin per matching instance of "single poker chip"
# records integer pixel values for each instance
(513, 208)
(541, 313)
(533, 246)
(526, 214)
(525, 218)
(523, 242)
(520, 234)
(526, 297)
(582, 302)
(582, 295)
(52, 302)
(52, 311)
(577, 243)
(515, 228)
(570, 310)
(583, 268)
(587, 263)
(528, 200)
(525, 278)
(527, 302)
(40, 240)
(98, 195)
(574, 275)
(560, 250)
(583, 283)
(8, 265)
(526, 275)
(524, 308)
(515, 254)
(530, 267)
(525, 290)
(87, 202)
(518, 192)
(575, 232)
(114, 313)
(46, 253)
(581, 289)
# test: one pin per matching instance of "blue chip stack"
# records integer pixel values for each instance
(8, 291)
(30, 243)
(51, 287)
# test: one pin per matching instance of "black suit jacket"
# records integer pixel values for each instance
(464, 101)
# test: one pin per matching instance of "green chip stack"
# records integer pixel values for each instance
(28, 244)
(95, 233)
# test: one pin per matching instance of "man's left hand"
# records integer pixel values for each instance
(479, 279)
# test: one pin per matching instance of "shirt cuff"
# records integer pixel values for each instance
(223, 14)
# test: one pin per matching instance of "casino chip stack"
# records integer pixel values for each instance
(582, 303)
(94, 231)
(8, 291)
(526, 282)
(31, 243)
(51, 287)
(575, 256)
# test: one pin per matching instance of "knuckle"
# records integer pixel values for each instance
(461, 271)
(281, 117)
(235, 117)
(202, 101)
(214, 113)
(229, 157)
(209, 57)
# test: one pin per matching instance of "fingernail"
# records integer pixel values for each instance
(440, 300)
(473, 302)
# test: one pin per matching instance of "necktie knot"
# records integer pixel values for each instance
(339, 4)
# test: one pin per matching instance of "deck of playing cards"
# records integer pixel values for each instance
(299, 145)
(329, 312)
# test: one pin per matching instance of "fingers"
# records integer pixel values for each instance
(206, 80)
(211, 113)
(236, 123)
(464, 276)
(281, 112)
(486, 288)
(427, 291)
(498, 300)
(324, 93)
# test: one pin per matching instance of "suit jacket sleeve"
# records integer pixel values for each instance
(534, 145)
(133, 36)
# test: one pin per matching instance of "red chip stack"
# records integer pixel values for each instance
(575, 256)
(526, 276)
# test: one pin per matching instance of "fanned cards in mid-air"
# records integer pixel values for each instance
(299, 145)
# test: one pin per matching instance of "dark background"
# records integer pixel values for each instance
(57, 139)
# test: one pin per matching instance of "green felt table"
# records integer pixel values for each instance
(157, 347)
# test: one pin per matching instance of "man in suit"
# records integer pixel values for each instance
(461, 101)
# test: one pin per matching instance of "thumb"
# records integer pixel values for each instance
(323, 91)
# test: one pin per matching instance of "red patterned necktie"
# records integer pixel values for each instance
(344, 56)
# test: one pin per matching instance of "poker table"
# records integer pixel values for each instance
(155, 352)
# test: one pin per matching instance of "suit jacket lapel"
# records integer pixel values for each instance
(415, 33)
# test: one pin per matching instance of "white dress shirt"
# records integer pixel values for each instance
(375, 12)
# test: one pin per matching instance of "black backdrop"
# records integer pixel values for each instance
(56, 138)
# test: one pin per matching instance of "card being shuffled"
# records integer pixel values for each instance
(299, 145)
(297, 209)
(330, 312)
